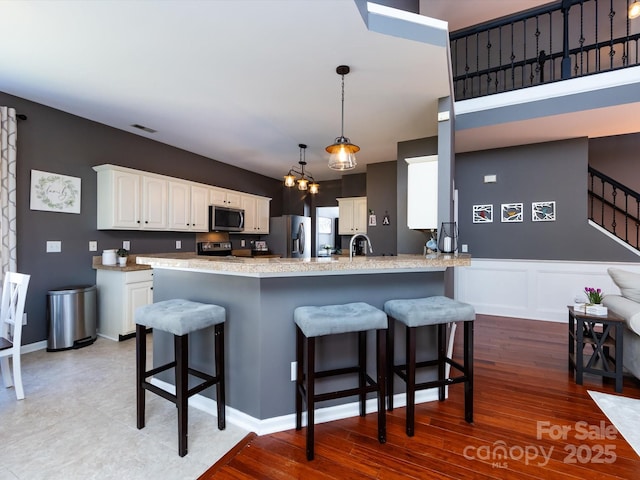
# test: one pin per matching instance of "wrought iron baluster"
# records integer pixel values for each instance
(612, 52)
(614, 194)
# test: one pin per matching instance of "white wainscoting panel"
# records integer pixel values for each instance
(532, 289)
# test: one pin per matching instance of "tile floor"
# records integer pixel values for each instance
(78, 421)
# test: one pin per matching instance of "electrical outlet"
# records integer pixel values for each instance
(24, 318)
(294, 371)
(93, 246)
(242, 243)
(126, 245)
(178, 244)
(465, 248)
(54, 246)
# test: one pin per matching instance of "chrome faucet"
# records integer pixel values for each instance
(353, 240)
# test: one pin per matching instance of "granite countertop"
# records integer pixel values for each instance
(132, 266)
(274, 267)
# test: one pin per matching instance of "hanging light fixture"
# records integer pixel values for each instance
(634, 10)
(305, 181)
(342, 152)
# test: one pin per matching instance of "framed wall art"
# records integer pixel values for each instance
(54, 193)
(511, 212)
(482, 213)
(543, 211)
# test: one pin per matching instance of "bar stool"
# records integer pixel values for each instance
(312, 322)
(420, 312)
(180, 318)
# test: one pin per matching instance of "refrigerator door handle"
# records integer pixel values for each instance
(301, 237)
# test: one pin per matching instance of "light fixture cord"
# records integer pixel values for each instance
(342, 131)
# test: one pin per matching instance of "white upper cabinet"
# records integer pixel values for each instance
(422, 192)
(188, 207)
(225, 198)
(130, 199)
(256, 214)
(353, 215)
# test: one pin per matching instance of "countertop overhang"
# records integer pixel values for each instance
(291, 267)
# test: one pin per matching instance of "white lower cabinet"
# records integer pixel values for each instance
(119, 294)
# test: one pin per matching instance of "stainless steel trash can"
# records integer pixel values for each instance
(72, 315)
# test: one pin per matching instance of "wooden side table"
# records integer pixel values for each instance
(596, 333)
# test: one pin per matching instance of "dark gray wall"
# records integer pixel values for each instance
(381, 199)
(617, 157)
(54, 141)
(541, 172)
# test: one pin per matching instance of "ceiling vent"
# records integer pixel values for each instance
(142, 127)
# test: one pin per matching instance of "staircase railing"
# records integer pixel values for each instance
(558, 41)
(615, 207)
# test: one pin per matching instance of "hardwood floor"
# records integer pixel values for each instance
(521, 378)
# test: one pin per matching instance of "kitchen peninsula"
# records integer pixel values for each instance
(260, 295)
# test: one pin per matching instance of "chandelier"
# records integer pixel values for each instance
(305, 181)
(342, 151)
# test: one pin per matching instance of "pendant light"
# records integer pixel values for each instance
(342, 151)
(634, 10)
(305, 181)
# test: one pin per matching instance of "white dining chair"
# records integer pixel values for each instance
(14, 293)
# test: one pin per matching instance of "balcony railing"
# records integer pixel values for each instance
(562, 40)
(614, 207)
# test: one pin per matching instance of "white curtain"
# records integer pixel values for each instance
(8, 150)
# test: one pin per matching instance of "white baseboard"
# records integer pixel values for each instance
(288, 422)
(532, 289)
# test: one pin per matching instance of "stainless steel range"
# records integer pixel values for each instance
(219, 249)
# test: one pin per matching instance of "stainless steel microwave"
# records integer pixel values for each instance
(225, 219)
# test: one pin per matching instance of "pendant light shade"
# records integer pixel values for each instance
(342, 153)
(634, 10)
(305, 181)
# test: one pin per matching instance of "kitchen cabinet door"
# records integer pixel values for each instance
(154, 203)
(199, 209)
(353, 215)
(179, 206)
(225, 198)
(121, 192)
(422, 192)
(262, 215)
(138, 294)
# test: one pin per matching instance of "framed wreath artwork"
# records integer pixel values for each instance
(54, 193)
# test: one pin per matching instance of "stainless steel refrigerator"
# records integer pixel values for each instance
(290, 236)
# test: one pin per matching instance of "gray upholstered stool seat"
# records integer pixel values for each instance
(180, 318)
(334, 319)
(430, 311)
(312, 322)
(417, 312)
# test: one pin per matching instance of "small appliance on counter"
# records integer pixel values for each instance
(360, 246)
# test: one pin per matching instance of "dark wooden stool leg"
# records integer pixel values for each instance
(468, 366)
(411, 379)
(311, 380)
(220, 386)
(181, 345)
(362, 373)
(442, 355)
(299, 375)
(141, 367)
(381, 370)
(390, 361)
